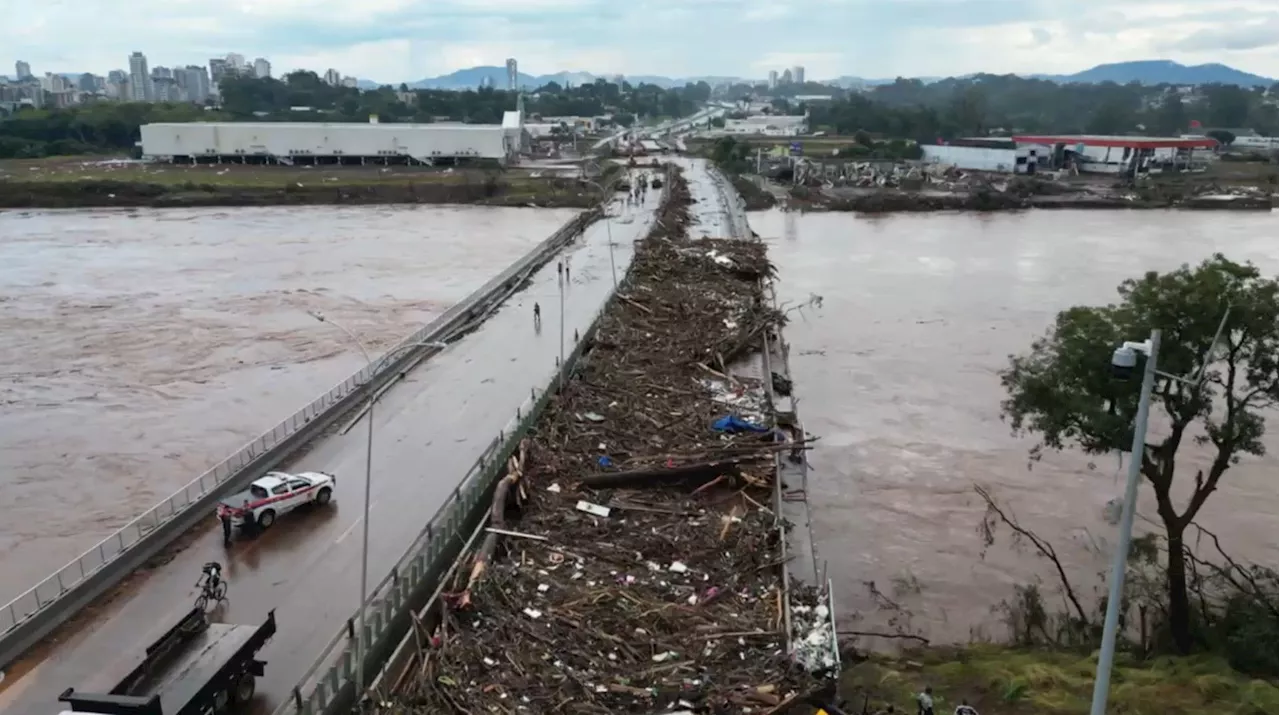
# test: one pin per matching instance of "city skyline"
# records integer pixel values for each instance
(140, 82)
(400, 41)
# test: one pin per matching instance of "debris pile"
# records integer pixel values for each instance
(631, 562)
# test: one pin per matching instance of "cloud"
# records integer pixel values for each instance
(1249, 36)
(404, 40)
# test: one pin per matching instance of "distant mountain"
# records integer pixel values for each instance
(1163, 72)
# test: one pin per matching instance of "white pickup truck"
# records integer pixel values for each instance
(275, 494)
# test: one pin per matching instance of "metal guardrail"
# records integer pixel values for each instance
(94, 561)
(431, 553)
(330, 681)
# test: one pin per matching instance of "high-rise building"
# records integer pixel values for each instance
(513, 74)
(333, 77)
(193, 83)
(117, 84)
(786, 77)
(773, 79)
(87, 83)
(261, 68)
(161, 73)
(797, 74)
(23, 69)
(140, 89)
(217, 70)
(236, 62)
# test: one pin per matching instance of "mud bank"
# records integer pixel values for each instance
(96, 193)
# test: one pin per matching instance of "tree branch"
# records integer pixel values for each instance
(1045, 548)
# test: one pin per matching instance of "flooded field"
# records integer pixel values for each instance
(140, 348)
(896, 371)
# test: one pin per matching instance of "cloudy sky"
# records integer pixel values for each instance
(404, 40)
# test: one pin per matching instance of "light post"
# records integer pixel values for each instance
(608, 226)
(1123, 360)
(368, 483)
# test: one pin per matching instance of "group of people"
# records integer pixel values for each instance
(636, 195)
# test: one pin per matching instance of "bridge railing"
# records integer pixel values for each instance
(22, 610)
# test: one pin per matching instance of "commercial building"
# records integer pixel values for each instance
(1099, 154)
(797, 74)
(23, 69)
(513, 75)
(261, 68)
(327, 143)
(768, 125)
(1091, 154)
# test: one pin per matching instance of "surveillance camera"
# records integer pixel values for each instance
(1123, 362)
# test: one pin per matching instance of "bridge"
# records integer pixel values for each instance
(435, 419)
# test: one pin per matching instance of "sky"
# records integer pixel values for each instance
(404, 40)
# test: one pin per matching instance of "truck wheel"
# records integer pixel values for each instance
(266, 519)
(243, 689)
(324, 496)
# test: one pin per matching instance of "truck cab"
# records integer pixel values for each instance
(275, 494)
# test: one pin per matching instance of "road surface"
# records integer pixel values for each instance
(430, 429)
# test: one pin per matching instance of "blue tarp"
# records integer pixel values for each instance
(734, 423)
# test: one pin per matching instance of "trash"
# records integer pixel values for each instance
(651, 610)
(733, 423)
(595, 509)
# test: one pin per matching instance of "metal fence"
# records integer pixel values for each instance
(330, 679)
(435, 548)
(48, 591)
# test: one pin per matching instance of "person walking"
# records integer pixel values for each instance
(537, 316)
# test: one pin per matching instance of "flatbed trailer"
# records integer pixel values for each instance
(195, 667)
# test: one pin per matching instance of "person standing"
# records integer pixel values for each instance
(924, 702)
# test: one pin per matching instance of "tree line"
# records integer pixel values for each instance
(303, 96)
(993, 104)
(906, 109)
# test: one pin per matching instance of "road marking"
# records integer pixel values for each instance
(347, 532)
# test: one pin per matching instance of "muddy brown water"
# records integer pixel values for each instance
(140, 348)
(896, 371)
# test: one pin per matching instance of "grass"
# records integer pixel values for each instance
(1005, 681)
(80, 169)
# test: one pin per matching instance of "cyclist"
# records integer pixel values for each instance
(212, 578)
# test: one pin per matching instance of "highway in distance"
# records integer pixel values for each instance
(430, 428)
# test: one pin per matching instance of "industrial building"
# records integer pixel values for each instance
(331, 143)
(1085, 154)
(769, 125)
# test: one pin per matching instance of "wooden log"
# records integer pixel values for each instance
(704, 471)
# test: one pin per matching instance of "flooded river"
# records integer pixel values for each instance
(896, 371)
(141, 348)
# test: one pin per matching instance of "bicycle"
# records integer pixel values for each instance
(212, 587)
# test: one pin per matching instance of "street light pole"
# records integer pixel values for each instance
(368, 484)
(1102, 682)
(608, 226)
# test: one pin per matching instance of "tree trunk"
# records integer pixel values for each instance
(1179, 604)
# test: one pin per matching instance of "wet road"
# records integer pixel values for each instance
(170, 338)
(896, 372)
(430, 429)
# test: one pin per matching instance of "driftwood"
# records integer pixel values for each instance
(702, 472)
(502, 494)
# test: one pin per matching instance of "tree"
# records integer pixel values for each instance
(1063, 393)
(1223, 136)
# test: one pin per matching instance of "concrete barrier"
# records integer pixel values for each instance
(328, 688)
(32, 616)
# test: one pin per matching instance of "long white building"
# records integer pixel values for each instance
(309, 142)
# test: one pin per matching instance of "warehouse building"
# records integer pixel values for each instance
(331, 143)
